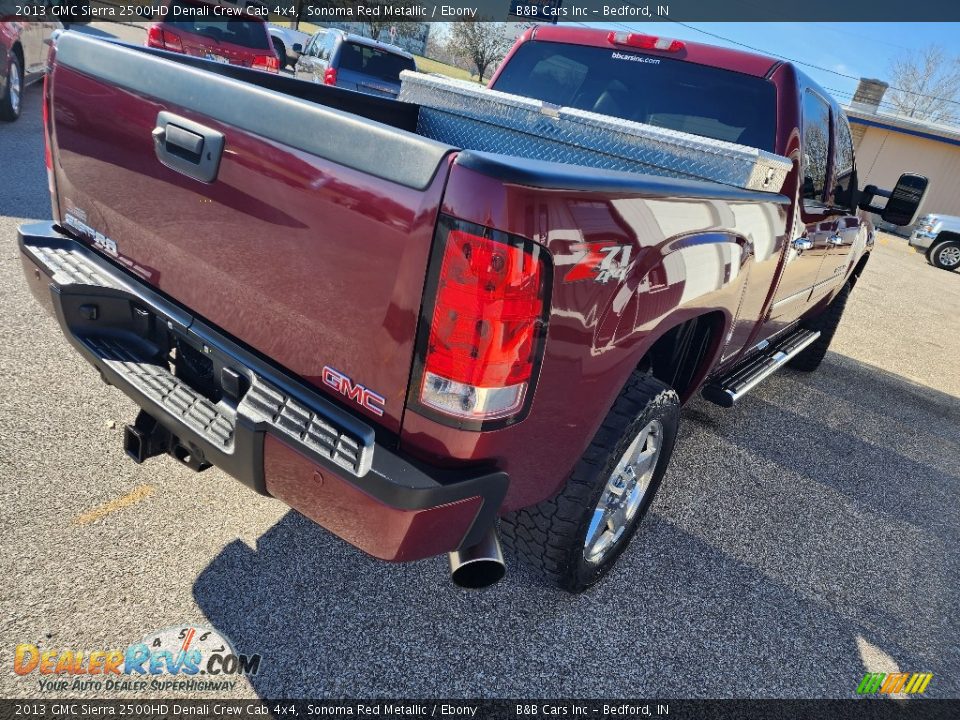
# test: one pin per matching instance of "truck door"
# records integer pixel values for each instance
(848, 234)
(308, 58)
(814, 223)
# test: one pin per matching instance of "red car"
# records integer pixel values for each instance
(201, 30)
(23, 56)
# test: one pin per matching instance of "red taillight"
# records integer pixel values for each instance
(157, 37)
(481, 350)
(645, 42)
(268, 63)
(330, 76)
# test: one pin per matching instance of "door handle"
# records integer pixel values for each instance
(188, 147)
(801, 244)
(835, 239)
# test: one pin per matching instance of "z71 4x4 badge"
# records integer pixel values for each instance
(599, 261)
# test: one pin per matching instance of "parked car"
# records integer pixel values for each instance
(243, 42)
(407, 341)
(23, 57)
(938, 237)
(288, 43)
(334, 57)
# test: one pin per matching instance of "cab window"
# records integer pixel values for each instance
(845, 183)
(816, 148)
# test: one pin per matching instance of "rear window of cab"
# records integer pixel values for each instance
(651, 89)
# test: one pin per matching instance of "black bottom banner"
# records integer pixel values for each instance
(866, 709)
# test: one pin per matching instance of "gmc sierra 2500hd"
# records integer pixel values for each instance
(411, 343)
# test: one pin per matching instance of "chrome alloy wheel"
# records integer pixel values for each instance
(13, 83)
(949, 256)
(624, 493)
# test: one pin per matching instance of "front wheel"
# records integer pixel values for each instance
(574, 539)
(945, 255)
(13, 94)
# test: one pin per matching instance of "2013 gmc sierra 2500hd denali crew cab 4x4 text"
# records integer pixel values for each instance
(420, 346)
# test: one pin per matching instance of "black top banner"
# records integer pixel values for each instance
(535, 11)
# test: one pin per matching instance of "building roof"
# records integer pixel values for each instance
(867, 115)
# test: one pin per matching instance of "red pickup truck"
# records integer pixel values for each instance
(422, 347)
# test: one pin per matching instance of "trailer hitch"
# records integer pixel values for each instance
(147, 438)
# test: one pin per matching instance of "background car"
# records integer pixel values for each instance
(23, 57)
(334, 57)
(288, 43)
(243, 42)
(938, 237)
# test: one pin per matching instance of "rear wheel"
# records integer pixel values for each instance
(826, 322)
(945, 255)
(574, 539)
(13, 93)
(281, 51)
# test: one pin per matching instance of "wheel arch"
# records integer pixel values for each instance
(944, 238)
(681, 353)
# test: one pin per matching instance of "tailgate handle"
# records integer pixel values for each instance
(187, 147)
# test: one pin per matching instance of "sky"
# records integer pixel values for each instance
(860, 49)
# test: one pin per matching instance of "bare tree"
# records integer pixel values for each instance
(377, 24)
(404, 29)
(925, 85)
(479, 42)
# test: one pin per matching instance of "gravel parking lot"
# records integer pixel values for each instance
(801, 539)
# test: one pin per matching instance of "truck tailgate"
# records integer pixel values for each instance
(311, 243)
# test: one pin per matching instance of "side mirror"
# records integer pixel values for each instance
(297, 48)
(903, 201)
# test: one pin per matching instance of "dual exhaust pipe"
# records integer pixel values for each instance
(480, 565)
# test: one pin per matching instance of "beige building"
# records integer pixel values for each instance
(888, 145)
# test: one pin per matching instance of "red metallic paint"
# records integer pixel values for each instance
(592, 343)
(380, 530)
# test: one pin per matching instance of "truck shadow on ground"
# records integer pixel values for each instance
(789, 549)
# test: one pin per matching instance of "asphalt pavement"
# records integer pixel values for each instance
(800, 540)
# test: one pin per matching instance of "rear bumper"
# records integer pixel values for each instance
(269, 430)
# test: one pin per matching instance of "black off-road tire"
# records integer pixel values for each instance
(549, 537)
(826, 322)
(935, 258)
(281, 51)
(7, 111)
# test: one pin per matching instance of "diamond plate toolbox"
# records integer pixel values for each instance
(472, 117)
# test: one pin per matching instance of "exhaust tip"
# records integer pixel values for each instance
(478, 574)
(480, 565)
